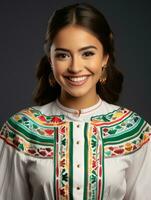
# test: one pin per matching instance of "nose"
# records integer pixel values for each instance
(75, 65)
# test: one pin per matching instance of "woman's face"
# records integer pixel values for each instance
(77, 59)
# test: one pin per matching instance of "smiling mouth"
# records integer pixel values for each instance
(77, 81)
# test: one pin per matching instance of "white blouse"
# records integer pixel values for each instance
(52, 152)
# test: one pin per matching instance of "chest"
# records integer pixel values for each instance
(78, 164)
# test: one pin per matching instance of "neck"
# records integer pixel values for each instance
(78, 102)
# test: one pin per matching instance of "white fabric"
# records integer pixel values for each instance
(24, 177)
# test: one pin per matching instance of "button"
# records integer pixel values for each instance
(78, 142)
(78, 125)
(78, 165)
(78, 188)
(77, 112)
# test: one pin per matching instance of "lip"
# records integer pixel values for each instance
(78, 82)
(76, 76)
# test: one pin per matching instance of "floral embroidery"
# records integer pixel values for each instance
(127, 147)
(121, 126)
(115, 134)
(31, 132)
(36, 114)
(21, 144)
(112, 116)
(62, 162)
(95, 165)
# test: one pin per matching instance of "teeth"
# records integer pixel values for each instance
(76, 79)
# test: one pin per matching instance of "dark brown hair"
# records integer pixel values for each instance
(93, 20)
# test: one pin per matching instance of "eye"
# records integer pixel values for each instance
(88, 53)
(61, 56)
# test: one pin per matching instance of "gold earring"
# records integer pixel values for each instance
(102, 81)
(103, 77)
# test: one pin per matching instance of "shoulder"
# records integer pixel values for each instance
(29, 130)
(115, 114)
(32, 116)
(123, 130)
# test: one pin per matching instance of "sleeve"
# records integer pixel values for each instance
(13, 177)
(138, 175)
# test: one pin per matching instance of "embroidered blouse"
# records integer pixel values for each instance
(52, 152)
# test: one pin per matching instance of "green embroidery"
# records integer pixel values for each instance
(85, 162)
(93, 177)
(64, 177)
(94, 143)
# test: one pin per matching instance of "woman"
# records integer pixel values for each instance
(76, 143)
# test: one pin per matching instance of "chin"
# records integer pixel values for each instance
(77, 94)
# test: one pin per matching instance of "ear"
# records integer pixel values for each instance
(105, 60)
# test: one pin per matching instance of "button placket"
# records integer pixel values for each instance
(78, 142)
(78, 157)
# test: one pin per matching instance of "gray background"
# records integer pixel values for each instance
(22, 29)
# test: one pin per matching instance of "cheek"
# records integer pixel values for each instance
(58, 72)
(95, 68)
(58, 68)
(95, 65)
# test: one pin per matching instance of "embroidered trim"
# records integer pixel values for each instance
(63, 163)
(128, 146)
(33, 133)
(30, 132)
(94, 160)
(21, 144)
(111, 118)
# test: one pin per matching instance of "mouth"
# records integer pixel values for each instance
(78, 80)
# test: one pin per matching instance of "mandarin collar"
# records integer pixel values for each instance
(79, 114)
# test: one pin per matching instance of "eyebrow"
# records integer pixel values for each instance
(81, 49)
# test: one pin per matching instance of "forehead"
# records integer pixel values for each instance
(75, 36)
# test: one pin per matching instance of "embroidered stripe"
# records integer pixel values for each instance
(93, 163)
(129, 145)
(101, 174)
(28, 135)
(39, 117)
(126, 134)
(71, 162)
(112, 117)
(85, 162)
(55, 164)
(93, 160)
(13, 138)
(63, 162)
(122, 126)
